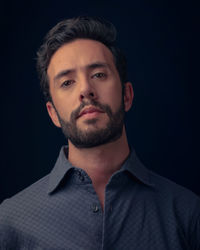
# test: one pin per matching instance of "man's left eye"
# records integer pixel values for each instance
(99, 75)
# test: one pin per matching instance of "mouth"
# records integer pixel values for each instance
(90, 111)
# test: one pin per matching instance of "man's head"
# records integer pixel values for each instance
(69, 30)
(82, 74)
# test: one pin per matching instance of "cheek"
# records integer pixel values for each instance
(64, 103)
(113, 96)
(63, 109)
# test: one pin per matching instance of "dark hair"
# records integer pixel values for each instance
(71, 29)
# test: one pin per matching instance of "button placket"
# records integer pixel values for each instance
(95, 208)
(80, 176)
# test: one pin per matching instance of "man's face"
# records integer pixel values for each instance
(86, 93)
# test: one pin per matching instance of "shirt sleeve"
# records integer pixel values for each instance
(7, 240)
(195, 239)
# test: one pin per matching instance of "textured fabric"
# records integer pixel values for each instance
(143, 211)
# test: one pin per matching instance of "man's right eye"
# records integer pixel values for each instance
(67, 83)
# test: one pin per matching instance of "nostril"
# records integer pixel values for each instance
(89, 95)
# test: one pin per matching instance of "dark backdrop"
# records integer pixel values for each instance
(160, 39)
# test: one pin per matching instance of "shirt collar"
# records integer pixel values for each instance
(59, 171)
(132, 165)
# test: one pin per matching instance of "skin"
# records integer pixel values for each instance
(78, 72)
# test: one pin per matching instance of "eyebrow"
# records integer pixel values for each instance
(94, 65)
(98, 65)
(62, 73)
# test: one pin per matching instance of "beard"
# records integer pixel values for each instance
(94, 137)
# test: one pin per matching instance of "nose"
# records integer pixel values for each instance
(87, 90)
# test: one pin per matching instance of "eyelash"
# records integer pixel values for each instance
(103, 75)
(69, 82)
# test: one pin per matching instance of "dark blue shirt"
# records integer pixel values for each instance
(143, 211)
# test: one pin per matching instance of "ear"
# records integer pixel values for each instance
(52, 113)
(128, 96)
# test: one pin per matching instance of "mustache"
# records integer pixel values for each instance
(104, 107)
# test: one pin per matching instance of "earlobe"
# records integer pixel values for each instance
(128, 96)
(52, 113)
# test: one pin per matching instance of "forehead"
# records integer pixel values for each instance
(78, 54)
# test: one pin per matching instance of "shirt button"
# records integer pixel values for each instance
(81, 177)
(95, 208)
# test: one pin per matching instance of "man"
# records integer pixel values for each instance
(98, 195)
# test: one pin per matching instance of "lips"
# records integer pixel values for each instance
(89, 110)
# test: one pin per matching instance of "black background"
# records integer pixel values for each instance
(160, 39)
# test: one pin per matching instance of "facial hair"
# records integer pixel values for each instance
(95, 137)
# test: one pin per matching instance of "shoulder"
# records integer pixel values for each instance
(176, 202)
(170, 190)
(19, 213)
(24, 202)
(163, 191)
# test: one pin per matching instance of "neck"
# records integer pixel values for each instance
(104, 159)
(100, 162)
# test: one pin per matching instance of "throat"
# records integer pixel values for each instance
(100, 191)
